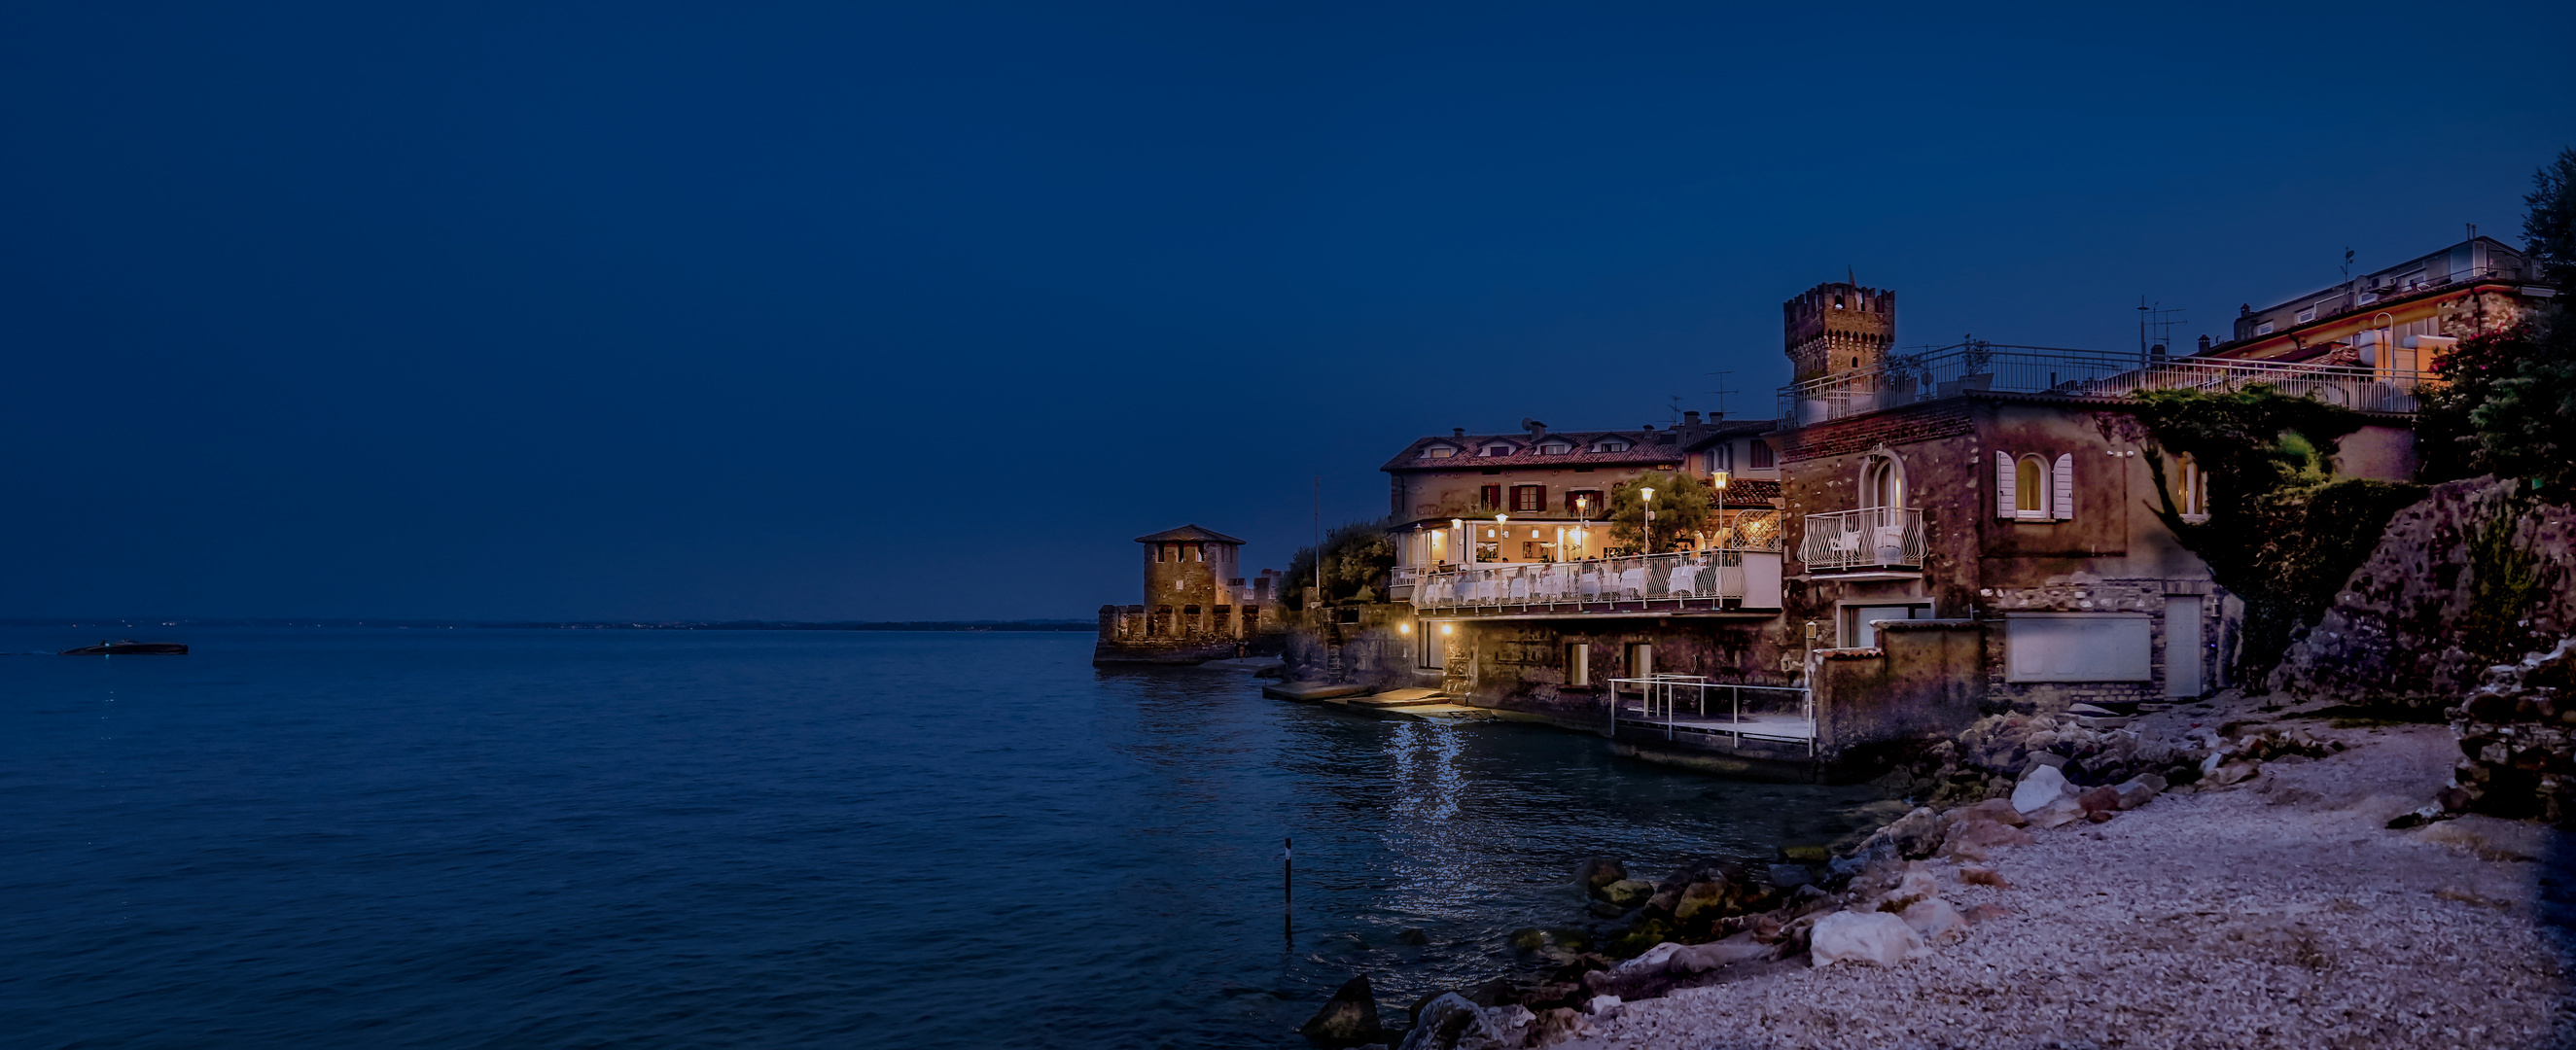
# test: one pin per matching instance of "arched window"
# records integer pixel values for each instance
(1882, 482)
(2030, 488)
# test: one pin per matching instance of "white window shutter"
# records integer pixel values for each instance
(2005, 501)
(2062, 503)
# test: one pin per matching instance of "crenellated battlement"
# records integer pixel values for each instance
(1837, 326)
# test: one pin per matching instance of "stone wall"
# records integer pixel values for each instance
(2398, 631)
(1923, 677)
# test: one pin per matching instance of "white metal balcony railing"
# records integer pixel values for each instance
(1871, 538)
(1748, 577)
(1903, 379)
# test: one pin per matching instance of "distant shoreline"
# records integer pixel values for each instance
(1067, 626)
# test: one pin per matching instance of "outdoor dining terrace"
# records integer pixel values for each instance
(1711, 582)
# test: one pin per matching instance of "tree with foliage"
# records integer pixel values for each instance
(1684, 506)
(1357, 557)
(2507, 401)
(2282, 533)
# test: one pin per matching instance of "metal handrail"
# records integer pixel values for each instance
(1903, 379)
(1669, 686)
(1869, 537)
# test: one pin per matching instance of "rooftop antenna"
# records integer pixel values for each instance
(2347, 263)
(1722, 390)
(2159, 319)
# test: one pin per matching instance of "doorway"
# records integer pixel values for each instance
(2183, 646)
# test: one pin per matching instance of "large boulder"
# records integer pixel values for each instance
(1916, 834)
(2038, 788)
(1870, 937)
(1597, 872)
(2406, 625)
(1626, 893)
(1442, 1022)
(1349, 1018)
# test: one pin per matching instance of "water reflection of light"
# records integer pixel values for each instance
(1435, 855)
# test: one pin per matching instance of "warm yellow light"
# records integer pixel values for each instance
(1501, 518)
(1650, 495)
(1445, 628)
(1457, 523)
(1404, 628)
(1718, 479)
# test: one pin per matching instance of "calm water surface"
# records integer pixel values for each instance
(475, 838)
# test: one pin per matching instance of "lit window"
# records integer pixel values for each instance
(1438, 452)
(2030, 488)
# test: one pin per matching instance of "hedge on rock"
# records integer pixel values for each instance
(2282, 534)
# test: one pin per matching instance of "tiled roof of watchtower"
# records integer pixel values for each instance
(1188, 534)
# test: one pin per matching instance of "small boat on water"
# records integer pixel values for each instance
(129, 648)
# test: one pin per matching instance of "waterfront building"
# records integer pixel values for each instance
(1198, 605)
(1960, 530)
(2400, 318)
(1540, 495)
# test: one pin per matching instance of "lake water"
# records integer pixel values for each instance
(476, 838)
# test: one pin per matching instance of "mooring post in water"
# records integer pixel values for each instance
(1288, 890)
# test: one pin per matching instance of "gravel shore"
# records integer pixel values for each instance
(2280, 912)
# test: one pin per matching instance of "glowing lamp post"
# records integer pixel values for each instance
(1718, 481)
(1501, 534)
(1466, 543)
(1650, 520)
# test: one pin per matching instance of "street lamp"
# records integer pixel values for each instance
(1718, 481)
(1466, 543)
(1582, 519)
(1650, 521)
(1501, 534)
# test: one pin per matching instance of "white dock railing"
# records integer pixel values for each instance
(1790, 718)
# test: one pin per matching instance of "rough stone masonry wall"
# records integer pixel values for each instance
(2085, 592)
(2393, 633)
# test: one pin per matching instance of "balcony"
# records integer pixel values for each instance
(1716, 582)
(1904, 379)
(1873, 543)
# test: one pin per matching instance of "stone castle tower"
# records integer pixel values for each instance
(1837, 326)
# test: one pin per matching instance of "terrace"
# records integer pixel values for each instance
(1928, 375)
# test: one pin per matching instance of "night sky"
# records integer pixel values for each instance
(924, 311)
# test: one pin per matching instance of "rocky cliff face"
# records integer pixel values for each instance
(2416, 624)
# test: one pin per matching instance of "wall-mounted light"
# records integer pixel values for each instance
(1447, 628)
(1404, 628)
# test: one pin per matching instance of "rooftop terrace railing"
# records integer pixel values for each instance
(1904, 379)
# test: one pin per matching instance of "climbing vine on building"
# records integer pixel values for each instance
(2281, 533)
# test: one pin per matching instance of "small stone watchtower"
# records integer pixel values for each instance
(1837, 326)
(1196, 605)
(1189, 566)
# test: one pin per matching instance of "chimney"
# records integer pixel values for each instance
(1650, 428)
(1457, 432)
(1690, 419)
(2204, 344)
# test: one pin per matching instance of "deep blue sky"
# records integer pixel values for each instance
(823, 311)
